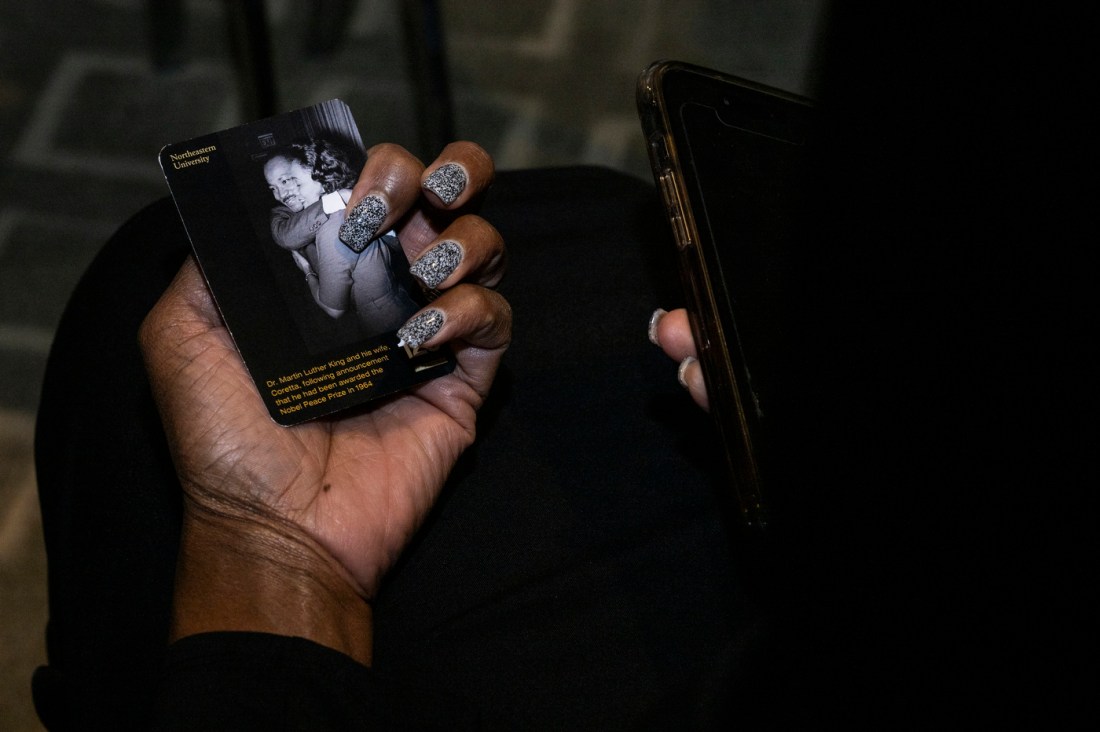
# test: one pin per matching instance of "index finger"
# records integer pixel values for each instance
(387, 188)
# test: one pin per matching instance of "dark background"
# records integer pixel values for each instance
(963, 207)
(84, 111)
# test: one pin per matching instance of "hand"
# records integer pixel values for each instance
(289, 529)
(301, 262)
(672, 332)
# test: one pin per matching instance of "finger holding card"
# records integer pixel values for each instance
(313, 291)
(475, 322)
(469, 249)
(461, 172)
(388, 187)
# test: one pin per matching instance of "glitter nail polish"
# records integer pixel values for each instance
(438, 263)
(421, 328)
(447, 181)
(362, 223)
(654, 321)
(681, 372)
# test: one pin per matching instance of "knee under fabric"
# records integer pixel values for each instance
(579, 540)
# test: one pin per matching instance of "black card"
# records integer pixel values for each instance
(314, 320)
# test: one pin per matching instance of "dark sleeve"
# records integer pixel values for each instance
(271, 682)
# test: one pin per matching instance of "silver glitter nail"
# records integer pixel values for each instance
(447, 181)
(681, 372)
(654, 321)
(438, 263)
(421, 328)
(363, 222)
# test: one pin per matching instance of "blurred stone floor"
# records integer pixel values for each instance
(83, 113)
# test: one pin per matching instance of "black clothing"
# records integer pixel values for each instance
(575, 573)
(578, 571)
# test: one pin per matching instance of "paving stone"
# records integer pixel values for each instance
(129, 112)
(108, 115)
(41, 261)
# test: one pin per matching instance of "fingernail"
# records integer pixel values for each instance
(421, 328)
(654, 320)
(447, 181)
(362, 223)
(438, 263)
(681, 373)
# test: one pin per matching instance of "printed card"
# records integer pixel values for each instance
(313, 317)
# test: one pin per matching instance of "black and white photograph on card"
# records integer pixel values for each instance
(312, 309)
